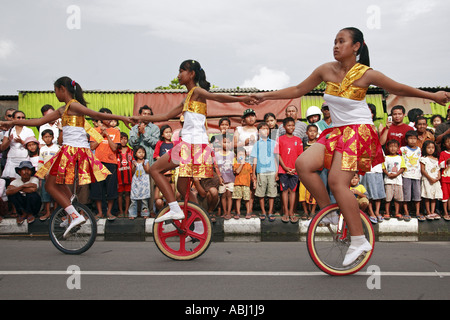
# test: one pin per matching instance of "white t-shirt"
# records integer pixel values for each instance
(412, 162)
(393, 164)
(19, 182)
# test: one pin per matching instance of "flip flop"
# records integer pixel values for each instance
(293, 219)
(271, 217)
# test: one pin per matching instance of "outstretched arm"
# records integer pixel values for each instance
(160, 117)
(297, 91)
(380, 80)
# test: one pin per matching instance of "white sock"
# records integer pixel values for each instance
(71, 211)
(357, 241)
(175, 207)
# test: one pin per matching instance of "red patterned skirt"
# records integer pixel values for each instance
(62, 165)
(194, 160)
(359, 144)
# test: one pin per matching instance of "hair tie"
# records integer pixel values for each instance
(73, 83)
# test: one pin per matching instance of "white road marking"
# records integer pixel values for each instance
(220, 273)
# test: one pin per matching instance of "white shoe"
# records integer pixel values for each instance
(75, 222)
(171, 215)
(331, 218)
(354, 253)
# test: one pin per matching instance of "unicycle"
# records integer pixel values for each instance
(81, 237)
(328, 240)
(185, 239)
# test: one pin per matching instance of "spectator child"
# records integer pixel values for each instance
(289, 148)
(393, 167)
(271, 121)
(306, 199)
(32, 145)
(140, 184)
(46, 152)
(411, 176)
(105, 151)
(224, 160)
(264, 173)
(124, 175)
(444, 164)
(431, 187)
(243, 176)
(162, 147)
(361, 195)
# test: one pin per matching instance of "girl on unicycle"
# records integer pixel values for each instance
(192, 153)
(75, 150)
(352, 145)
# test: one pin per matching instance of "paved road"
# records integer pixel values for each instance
(258, 271)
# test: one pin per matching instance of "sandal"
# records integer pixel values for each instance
(407, 218)
(399, 217)
(305, 216)
(212, 217)
(248, 216)
(446, 218)
(262, 217)
(271, 217)
(285, 219)
(236, 216)
(387, 216)
(294, 219)
(421, 218)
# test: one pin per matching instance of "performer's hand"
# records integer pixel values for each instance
(442, 97)
(5, 125)
(257, 98)
(127, 121)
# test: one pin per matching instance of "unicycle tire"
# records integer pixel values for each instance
(328, 240)
(183, 240)
(80, 238)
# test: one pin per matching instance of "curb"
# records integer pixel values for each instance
(242, 229)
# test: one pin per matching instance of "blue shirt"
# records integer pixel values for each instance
(263, 151)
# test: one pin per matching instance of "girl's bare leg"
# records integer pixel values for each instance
(339, 182)
(307, 166)
(60, 193)
(157, 171)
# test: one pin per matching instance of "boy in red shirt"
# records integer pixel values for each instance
(288, 148)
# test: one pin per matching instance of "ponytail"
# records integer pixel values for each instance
(73, 87)
(200, 76)
(363, 52)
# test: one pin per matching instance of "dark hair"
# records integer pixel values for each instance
(105, 110)
(269, 114)
(200, 76)
(16, 112)
(411, 133)
(414, 113)
(161, 131)
(137, 149)
(73, 87)
(312, 126)
(262, 124)
(49, 131)
(437, 116)
(424, 149)
(420, 118)
(398, 107)
(363, 51)
(444, 139)
(373, 109)
(46, 107)
(123, 135)
(392, 141)
(224, 119)
(288, 119)
(146, 107)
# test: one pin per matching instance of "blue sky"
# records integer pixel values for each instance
(139, 44)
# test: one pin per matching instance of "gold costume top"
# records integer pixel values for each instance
(79, 121)
(346, 89)
(193, 106)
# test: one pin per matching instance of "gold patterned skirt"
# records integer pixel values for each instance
(62, 165)
(194, 160)
(359, 144)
